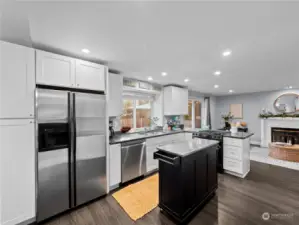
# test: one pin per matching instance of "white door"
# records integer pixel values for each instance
(90, 76)
(17, 171)
(55, 70)
(17, 81)
(115, 94)
(115, 164)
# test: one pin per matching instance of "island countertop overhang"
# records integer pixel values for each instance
(184, 148)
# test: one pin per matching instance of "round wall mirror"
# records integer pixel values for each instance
(287, 103)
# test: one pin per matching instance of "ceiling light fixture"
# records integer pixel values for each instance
(186, 80)
(230, 91)
(227, 52)
(150, 78)
(85, 50)
(216, 86)
(290, 87)
(217, 73)
(164, 74)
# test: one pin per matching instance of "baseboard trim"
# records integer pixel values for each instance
(237, 174)
(256, 143)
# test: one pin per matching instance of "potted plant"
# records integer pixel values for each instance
(227, 118)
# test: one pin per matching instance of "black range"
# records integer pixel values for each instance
(218, 136)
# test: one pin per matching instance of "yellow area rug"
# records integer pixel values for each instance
(140, 198)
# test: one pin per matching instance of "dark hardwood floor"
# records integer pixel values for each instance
(237, 201)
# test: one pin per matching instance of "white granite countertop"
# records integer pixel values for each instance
(184, 148)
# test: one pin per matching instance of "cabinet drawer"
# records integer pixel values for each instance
(232, 152)
(232, 165)
(232, 141)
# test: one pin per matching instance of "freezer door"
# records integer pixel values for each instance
(90, 146)
(52, 106)
(53, 183)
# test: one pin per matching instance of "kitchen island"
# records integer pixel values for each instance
(187, 176)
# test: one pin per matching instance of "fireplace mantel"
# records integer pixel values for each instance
(267, 124)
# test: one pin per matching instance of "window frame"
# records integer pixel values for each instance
(193, 100)
(134, 101)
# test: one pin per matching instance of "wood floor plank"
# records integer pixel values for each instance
(267, 188)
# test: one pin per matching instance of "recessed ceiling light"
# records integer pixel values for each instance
(150, 78)
(216, 86)
(186, 80)
(217, 73)
(85, 50)
(227, 52)
(164, 74)
(290, 87)
(230, 91)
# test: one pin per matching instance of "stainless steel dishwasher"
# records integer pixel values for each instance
(133, 159)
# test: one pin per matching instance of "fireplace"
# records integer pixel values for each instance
(286, 135)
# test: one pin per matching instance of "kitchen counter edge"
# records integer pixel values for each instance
(112, 142)
(239, 135)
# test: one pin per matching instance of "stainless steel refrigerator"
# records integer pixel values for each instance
(71, 150)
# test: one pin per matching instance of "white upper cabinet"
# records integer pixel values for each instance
(175, 101)
(90, 75)
(55, 70)
(115, 89)
(63, 71)
(17, 81)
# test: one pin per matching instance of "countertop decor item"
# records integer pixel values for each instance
(125, 129)
(234, 130)
(227, 118)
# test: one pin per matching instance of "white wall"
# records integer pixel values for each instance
(253, 103)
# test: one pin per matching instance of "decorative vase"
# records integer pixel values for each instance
(227, 125)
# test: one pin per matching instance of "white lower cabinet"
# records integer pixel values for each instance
(17, 170)
(236, 160)
(115, 165)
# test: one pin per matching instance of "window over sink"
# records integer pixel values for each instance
(136, 113)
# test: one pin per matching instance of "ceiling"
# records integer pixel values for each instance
(184, 39)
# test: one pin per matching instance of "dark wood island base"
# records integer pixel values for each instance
(186, 182)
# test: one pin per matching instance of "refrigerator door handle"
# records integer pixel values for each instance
(74, 141)
(70, 148)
